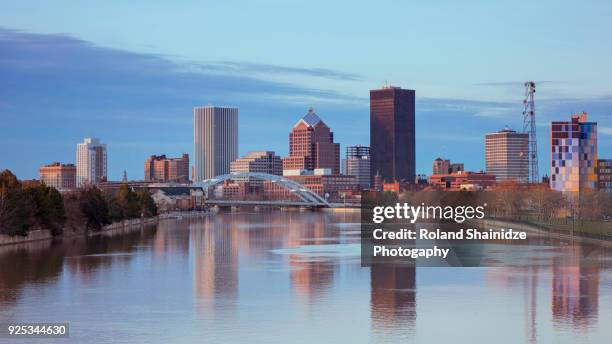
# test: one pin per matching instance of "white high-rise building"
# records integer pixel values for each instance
(506, 155)
(215, 134)
(91, 162)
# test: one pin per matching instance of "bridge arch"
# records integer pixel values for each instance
(303, 193)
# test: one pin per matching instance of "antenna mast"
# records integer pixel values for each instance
(529, 126)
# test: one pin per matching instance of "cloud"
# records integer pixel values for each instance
(59, 67)
(260, 68)
(515, 83)
(57, 89)
(468, 107)
(605, 130)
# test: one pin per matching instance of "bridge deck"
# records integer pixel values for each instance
(265, 203)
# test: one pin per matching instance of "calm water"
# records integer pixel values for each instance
(290, 278)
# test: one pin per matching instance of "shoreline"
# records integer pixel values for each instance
(533, 228)
(113, 228)
(45, 234)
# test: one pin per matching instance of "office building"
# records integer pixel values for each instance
(573, 154)
(215, 140)
(311, 146)
(91, 162)
(261, 162)
(506, 155)
(604, 175)
(392, 134)
(159, 168)
(357, 163)
(59, 176)
(442, 166)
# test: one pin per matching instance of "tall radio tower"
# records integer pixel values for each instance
(529, 126)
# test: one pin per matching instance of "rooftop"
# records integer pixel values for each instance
(310, 119)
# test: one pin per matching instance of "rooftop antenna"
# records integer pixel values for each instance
(529, 126)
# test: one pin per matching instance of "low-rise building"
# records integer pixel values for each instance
(59, 176)
(329, 186)
(604, 175)
(181, 198)
(462, 181)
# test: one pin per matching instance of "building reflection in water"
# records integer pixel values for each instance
(310, 277)
(509, 280)
(215, 253)
(169, 240)
(575, 287)
(219, 241)
(393, 297)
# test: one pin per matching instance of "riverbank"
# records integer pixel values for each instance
(534, 228)
(43, 234)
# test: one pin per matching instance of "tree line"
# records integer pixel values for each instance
(539, 204)
(513, 201)
(25, 207)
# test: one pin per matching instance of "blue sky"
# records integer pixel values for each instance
(131, 72)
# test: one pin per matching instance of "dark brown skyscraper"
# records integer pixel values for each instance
(392, 142)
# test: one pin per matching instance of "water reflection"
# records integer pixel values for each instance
(393, 297)
(258, 274)
(46, 261)
(215, 251)
(575, 288)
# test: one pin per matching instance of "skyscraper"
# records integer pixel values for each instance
(507, 155)
(91, 162)
(311, 146)
(159, 168)
(392, 134)
(357, 164)
(574, 154)
(215, 139)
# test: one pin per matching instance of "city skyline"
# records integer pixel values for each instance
(65, 80)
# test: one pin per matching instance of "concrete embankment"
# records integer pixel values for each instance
(42, 234)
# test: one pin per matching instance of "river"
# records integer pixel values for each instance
(294, 277)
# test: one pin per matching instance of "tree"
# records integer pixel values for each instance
(45, 207)
(94, 208)
(56, 211)
(115, 210)
(13, 206)
(128, 201)
(147, 204)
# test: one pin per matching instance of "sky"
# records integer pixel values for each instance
(131, 72)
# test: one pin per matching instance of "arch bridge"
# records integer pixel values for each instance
(306, 196)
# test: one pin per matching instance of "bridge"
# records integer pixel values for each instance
(307, 198)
